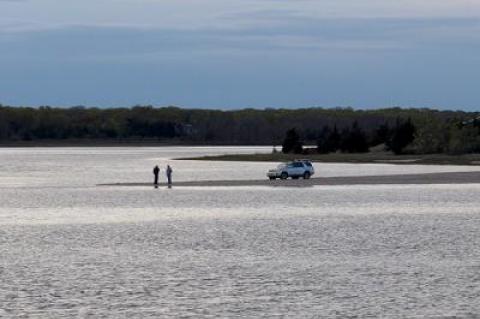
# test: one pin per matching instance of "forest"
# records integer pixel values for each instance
(400, 130)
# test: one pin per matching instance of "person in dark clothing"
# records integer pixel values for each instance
(156, 170)
(169, 172)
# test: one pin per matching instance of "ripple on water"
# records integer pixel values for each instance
(69, 249)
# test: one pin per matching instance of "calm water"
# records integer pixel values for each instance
(72, 249)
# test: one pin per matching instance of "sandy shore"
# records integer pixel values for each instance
(432, 178)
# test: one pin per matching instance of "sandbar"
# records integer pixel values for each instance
(415, 179)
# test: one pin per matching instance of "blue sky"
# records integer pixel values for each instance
(241, 53)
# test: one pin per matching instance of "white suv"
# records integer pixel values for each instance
(295, 169)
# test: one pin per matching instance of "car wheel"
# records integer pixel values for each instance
(306, 175)
(284, 175)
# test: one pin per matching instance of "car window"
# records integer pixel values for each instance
(298, 164)
(308, 164)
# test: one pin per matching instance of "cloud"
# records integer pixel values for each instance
(220, 14)
(309, 36)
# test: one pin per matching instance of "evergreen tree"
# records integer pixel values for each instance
(354, 140)
(323, 146)
(292, 143)
(381, 135)
(328, 141)
(334, 140)
(402, 136)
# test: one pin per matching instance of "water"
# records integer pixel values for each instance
(72, 249)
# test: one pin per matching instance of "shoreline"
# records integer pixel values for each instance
(405, 179)
(115, 143)
(355, 158)
(374, 157)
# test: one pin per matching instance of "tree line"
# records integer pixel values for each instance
(330, 129)
(354, 140)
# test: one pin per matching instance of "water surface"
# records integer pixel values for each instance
(72, 249)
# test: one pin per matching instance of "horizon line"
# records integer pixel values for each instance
(258, 108)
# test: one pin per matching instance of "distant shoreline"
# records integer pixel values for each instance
(373, 158)
(114, 143)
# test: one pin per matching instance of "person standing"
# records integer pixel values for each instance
(169, 172)
(156, 170)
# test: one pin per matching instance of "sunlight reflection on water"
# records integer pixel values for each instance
(71, 249)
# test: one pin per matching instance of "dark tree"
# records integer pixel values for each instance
(403, 134)
(328, 141)
(323, 146)
(354, 140)
(292, 143)
(334, 139)
(381, 135)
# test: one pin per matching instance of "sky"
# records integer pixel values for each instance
(232, 54)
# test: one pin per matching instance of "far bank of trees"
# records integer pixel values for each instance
(331, 130)
(354, 139)
(455, 137)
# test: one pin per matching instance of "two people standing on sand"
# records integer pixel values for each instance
(168, 171)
